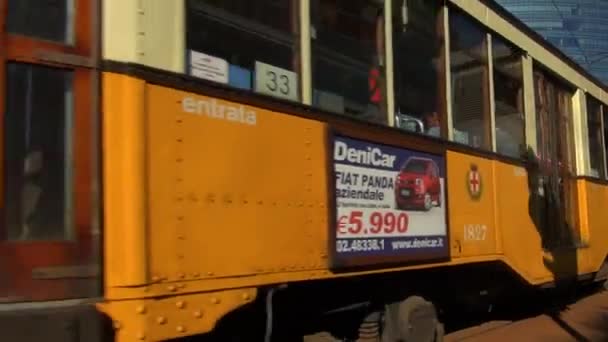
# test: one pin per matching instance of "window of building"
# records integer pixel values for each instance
(470, 82)
(595, 135)
(251, 45)
(419, 69)
(348, 64)
(49, 234)
(508, 98)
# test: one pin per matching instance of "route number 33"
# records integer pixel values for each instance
(275, 81)
(271, 83)
(475, 232)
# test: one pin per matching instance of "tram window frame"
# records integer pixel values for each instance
(368, 66)
(604, 110)
(484, 62)
(79, 56)
(207, 61)
(436, 34)
(518, 59)
(595, 130)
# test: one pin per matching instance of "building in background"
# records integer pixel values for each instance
(577, 27)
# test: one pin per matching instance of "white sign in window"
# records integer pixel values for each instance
(275, 81)
(208, 67)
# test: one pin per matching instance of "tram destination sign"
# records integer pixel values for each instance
(389, 204)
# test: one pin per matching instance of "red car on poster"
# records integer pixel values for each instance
(418, 184)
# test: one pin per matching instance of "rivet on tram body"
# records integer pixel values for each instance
(182, 275)
(141, 309)
(180, 304)
(180, 329)
(161, 320)
(196, 274)
(198, 314)
(155, 278)
(215, 300)
(141, 336)
(171, 288)
(210, 273)
(117, 325)
(246, 296)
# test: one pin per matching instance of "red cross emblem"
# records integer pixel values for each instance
(474, 182)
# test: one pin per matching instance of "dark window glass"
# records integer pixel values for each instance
(605, 123)
(45, 19)
(348, 70)
(508, 98)
(596, 146)
(247, 44)
(38, 153)
(469, 80)
(418, 43)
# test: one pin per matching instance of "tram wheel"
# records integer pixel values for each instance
(413, 319)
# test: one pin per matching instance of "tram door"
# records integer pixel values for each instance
(556, 214)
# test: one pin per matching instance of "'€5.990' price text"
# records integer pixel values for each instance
(372, 223)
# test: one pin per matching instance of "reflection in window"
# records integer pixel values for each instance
(49, 19)
(37, 154)
(469, 79)
(419, 66)
(508, 98)
(594, 127)
(245, 44)
(348, 58)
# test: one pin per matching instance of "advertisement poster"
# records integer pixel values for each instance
(390, 204)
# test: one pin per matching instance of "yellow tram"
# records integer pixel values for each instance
(250, 170)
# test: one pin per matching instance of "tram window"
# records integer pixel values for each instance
(594, 127)
(508, 98)
(418, 43)
(348, 66)
(469, 80)
(605, 124)
(51, 20)
(37, 153)
(246, 44)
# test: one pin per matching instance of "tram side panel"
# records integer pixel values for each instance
(472, 216)
(520, 237)
(594, 234)
(237, 186)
